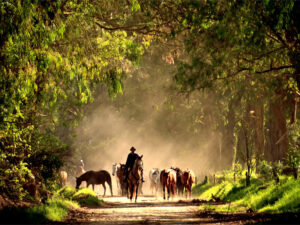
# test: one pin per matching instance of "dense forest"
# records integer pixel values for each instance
(222, 78)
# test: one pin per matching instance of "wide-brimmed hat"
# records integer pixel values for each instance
(132, 148)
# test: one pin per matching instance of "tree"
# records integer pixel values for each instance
(47, 74)
(231, 42)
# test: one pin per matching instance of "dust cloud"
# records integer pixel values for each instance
(141, 118)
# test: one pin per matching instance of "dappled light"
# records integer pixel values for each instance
(149, 112)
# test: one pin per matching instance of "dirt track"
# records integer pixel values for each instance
(148, 210)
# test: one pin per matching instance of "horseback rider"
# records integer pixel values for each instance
(132, 156)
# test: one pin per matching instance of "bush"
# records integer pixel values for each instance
(52, 210)
(66, 192)
(265, 170)
(87, 197)
(259, 196)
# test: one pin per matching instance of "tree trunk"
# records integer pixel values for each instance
(228, 139)
(240, 149)
(277, 133)
(259, 134)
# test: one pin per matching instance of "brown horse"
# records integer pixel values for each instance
(134, 177)
(118, 170)
(179, 184)
(187, 179)
(95, 177)
(168, 180)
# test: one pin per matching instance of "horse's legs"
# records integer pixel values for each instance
(168, 189)
(186, 191)
(131, 192)
(173, 190)
(164, 191)
(190, 191)
(104, 189)
(136, 191)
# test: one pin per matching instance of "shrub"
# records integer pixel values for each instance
(87, 197)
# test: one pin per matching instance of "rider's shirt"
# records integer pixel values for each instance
(130, 160)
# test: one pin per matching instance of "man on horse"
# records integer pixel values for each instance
(132, 156)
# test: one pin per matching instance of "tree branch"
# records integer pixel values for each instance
(268, 70)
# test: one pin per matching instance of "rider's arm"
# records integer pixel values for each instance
(127, 161)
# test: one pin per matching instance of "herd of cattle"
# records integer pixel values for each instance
(174, 180)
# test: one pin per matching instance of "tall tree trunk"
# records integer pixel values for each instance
(228, 135)
(259, 131)
(278, 132)
(240, 148)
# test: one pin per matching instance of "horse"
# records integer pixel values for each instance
(168, 180)
(187, 179)
(95, 177)
(154, 175)
(134, 177)
(179, 184)
(118, 170)
(63, 177)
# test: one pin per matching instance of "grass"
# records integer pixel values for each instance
(87, 197)
(52, 210)
(198, 189)
(66, 192)
(55, 209)
(259, 196)
(84, 196)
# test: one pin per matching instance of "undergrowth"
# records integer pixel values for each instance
(55, 209)
(260, 196)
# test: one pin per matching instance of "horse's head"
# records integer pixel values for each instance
(78, 182)
(139, 162)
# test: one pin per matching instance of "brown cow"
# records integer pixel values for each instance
(168, 180)
(187, 179)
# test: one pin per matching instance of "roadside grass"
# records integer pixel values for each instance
(87, 197)
(66, 192)
(260, 196)
(55, 209)
(199, 188)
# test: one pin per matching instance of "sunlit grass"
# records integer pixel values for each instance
(66, 192)
(54, 209)
(198, 189)
(259, 196)
(87, 197)
(289, 202)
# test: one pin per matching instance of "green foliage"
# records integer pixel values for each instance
(84, 196)
(265, 169)
(87, 197)
(294, 157)
(66, 192)
(53, 210)
(199, 189)
(259, 196)
(47, 73)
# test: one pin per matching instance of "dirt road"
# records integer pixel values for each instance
(148, 210)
